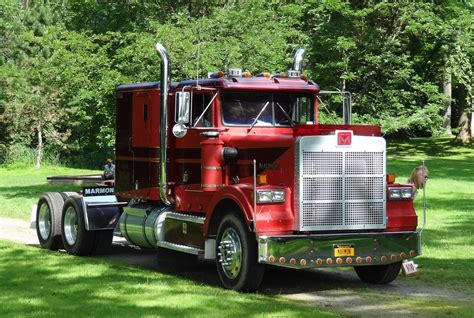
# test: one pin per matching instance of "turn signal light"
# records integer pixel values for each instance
(391, 178)
(262, 179)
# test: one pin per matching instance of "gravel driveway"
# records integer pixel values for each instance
(331, 289)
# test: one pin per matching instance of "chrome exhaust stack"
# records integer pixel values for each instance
(164, 85)
(298, 60)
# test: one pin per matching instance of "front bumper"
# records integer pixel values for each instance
(310, 251)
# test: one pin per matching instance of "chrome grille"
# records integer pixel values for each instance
(340, 188)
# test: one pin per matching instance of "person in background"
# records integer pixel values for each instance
(109, 170)
(418, 178)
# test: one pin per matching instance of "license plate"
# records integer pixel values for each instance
(409, 268)
(344, 250)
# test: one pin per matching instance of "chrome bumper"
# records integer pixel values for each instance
(310, 251)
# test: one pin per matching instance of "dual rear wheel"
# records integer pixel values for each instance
(60, 223)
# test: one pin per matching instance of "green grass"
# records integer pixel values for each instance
(39, 283)
(20, 188)
(448, 241)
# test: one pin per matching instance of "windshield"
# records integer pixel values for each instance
(266, 109)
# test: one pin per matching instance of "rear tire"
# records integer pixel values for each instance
(236, 255)
(378, 274)
(76, 240)
(48, 220)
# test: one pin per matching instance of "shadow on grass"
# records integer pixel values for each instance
(42, 283)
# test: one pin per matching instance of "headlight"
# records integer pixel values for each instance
(266, 196)
(278, 196)
(400, 193)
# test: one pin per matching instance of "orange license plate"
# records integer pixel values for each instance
(343, 250)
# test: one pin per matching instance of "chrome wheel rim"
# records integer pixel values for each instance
(70, 226)
(44, 221)
(230, 253)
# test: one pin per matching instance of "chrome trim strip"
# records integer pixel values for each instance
(255, 197)
(212, 168)
(211, 185)
(180, 248)
(309, 236)
(191, 190)
(106, 204)
(185, 217)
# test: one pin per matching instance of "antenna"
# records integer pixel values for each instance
(197, 65)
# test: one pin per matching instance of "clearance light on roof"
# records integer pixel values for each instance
(246, 74)
(264, 74)
(217, 74)
(304, 77)
(283, 75)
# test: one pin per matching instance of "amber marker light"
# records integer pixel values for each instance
(283, 75)
(271, 258)
(247, 74)
(220, 74)
(383, 259)
(282, 260)
(391, 178)
(359, 260)
(393, 258)
(292, 261)
(319, 261)
(349, 260)
(412, 253)
(368, 259)
(403, 255)
(303, 262)
(304, 77)
(262, 179)
(339, 260)
(329, 261)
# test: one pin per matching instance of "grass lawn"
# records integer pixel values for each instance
(66, 286)
(448, 241)
(20, 188)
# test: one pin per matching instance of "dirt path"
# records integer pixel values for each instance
(334, 290)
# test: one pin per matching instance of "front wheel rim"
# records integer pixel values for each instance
(230, 253)
(70, 226)
(44, 221)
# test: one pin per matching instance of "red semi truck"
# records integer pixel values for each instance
(237, 169)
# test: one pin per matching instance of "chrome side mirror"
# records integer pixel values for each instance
(179, 130)
(183, 105)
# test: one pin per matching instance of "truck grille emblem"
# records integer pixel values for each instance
(344, 138)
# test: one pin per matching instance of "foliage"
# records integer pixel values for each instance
(61, 61)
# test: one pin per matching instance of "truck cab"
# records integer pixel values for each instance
(237, 168)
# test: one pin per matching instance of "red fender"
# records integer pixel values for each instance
(240, 195)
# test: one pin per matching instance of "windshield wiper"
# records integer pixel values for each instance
(259, 114)
(291, 121)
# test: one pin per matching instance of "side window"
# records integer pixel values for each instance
(199, 104)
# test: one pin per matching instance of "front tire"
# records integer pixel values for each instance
(378, 274)
(48, 220)
(236, 251)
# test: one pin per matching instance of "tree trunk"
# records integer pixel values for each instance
(464, 135)
(39, 148)
(447, 91)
